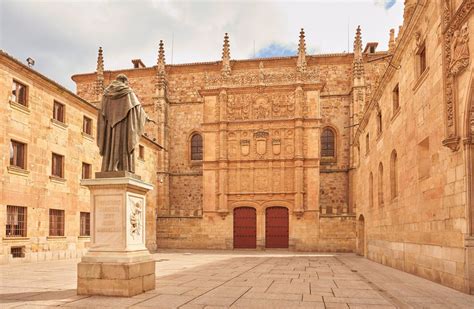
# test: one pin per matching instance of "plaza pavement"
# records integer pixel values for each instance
(238, 279)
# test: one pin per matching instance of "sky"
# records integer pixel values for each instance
(63, 36)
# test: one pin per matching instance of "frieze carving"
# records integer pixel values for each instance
(260, 106)
(454, 61)
(262, 76)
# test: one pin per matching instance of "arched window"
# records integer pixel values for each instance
(328, 143)
(380, 185)
(393, 175)
(196, 147)
(371, 190)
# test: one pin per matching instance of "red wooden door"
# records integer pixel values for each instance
(276, 227)
(245, 227)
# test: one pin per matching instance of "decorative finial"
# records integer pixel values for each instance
(99, 83)
(226, 56)
(358, 66)
(100, 62)
(160, 74)
(358, 43)
(301, 63)
(391, 41)
(161, 55)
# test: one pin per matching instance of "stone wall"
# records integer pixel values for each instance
(419, 219)
(309, 233)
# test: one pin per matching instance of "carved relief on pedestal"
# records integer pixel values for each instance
(136, 219)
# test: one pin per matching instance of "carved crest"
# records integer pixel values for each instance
(261, 138)
(276, 146)
(245, 147)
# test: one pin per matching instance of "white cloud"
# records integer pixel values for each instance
(63, 36)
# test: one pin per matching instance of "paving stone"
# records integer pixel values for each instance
(294, 288)
(196, 282)
(273, 296)
(166, 301)
(214, 300)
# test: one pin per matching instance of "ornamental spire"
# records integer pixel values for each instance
(161, 56)
(100, 62)
(358, 66)
(358, 43)
(226, 56)
(301, 63)
(160, 74)
(391, 41)
(99, 83)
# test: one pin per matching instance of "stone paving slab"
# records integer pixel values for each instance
(237, 279)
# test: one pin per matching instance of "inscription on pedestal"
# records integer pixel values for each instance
(108, 221)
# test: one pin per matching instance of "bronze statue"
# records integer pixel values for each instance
(120, 125)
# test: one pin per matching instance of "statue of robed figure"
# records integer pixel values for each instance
(120, 125)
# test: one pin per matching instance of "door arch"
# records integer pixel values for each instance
(245, 228)
(276, 227)
(361, 236)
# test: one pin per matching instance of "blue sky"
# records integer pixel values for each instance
(63, 36)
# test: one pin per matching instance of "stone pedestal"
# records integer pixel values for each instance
(117, 263)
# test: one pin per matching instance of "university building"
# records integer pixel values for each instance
(368, 152)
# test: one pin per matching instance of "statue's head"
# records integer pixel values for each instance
(122, 78)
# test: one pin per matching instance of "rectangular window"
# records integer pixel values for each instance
(395, 98)
(86, 170)
(422, 59)
(379, 123)
(56, 222)
(87, 125)
(57, 165)
(85, 229)
(367, 144)
(17, 252)
(141, 152)
(18, 154)
(58, 111)
(19, 93)
(16, 221)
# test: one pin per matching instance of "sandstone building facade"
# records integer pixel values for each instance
(368, 152)
(47, 137)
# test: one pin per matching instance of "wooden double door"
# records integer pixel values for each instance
(276, 227)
